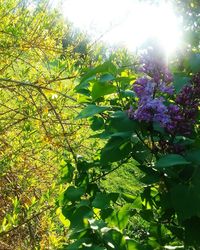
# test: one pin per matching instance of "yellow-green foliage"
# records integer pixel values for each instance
(37, 107)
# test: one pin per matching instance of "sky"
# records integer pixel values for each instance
(125, 22)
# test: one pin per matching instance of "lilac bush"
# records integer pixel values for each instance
(163, 142)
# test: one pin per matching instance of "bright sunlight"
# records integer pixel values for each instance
(128, 23)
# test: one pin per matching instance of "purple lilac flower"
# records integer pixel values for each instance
(155, 67)
(168, 89)
(184, 112)
(150, 90)
(144, 88)
(152, 110)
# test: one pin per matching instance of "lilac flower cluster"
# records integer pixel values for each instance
(184, 111)
(183, 114)
(150, 91)
(155, 67)
(152, 110)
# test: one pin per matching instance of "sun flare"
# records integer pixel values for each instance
(128, 23)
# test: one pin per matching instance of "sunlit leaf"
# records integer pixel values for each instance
(91, 110)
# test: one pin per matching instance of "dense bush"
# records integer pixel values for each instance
(151, 121)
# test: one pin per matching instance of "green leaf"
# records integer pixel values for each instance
(147, 214)
(116, 149)
(73, 193)
(106, 78)
(106, 67)
(150, 178)
(180, 81)
(103, 135)
(77, 219)
(184, 201)
(192, 229)
(97, 123)
(82, 180)
(157, 127)
(101, 89)
(82, 88)
(113, 196)
(127, 93)
(177, 231)
(115, 239)
(171, 160)
(75, 245)
(96, 225)
(91, 110)
(134, 245)
(107, 212)
(128, 197)
(151, 174)
(122, 134)
(140, 152)
(121, 122)
(193, 156)
(120, 218)
(185, 198)
(193, 62)
(67, 171)
(101, 201)
(137, 204)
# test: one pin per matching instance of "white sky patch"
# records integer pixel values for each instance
(125, 22)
